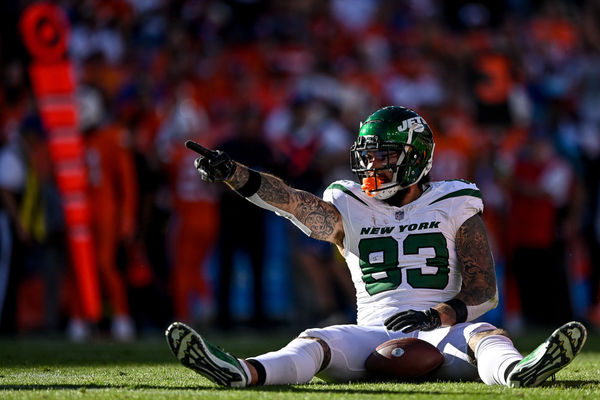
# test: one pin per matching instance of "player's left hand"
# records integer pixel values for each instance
(411, 320)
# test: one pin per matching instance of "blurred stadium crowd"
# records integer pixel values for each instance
(510, 88)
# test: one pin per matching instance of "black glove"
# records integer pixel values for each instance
(213, 165)
(411, 320)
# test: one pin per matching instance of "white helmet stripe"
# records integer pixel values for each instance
(398, 163)
(410, 132)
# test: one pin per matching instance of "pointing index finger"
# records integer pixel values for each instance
(203, 151)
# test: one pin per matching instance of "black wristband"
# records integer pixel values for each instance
(252, 184)
(460, 309)
(260, 371)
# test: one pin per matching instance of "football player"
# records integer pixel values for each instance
(419, 259)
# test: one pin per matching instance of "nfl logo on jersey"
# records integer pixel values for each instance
(399, 215)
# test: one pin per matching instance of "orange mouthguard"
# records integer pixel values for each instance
(371, 183)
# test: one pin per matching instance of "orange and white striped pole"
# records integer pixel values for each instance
(45, 31)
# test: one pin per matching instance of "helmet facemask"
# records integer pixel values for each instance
(399, 158)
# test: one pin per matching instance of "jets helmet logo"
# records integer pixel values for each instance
(416, 124)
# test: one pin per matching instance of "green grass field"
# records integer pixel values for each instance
(54, 369)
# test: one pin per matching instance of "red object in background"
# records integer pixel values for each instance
(533, 217)
(45, 31)
(39, 76)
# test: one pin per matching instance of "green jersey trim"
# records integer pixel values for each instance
(458, 193)
(345, 190)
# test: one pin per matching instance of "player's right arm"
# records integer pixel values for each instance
(314, 216)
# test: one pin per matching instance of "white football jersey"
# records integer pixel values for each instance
(403, 258)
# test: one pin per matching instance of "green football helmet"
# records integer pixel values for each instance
(392, 133)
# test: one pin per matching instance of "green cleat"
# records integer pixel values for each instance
(550, 357)
(205, 358)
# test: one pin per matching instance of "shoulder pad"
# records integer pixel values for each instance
(453, 188)
(344, 188)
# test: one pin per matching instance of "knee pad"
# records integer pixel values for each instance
(473, 328)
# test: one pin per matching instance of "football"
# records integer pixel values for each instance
(408, 359)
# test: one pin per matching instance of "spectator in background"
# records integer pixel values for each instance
(243, 224)
(147, 269)
(194, 221)
(17, 181)
(492, 83)
(313, 143)
(113, 192)
(541, 189)
(30, 227)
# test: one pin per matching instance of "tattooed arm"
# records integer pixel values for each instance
(479, 291)
(316, 217)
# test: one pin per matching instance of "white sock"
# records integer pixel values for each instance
(296, 363)
(246, 369)
(494, 354)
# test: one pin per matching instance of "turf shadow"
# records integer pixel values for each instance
(97, 386)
